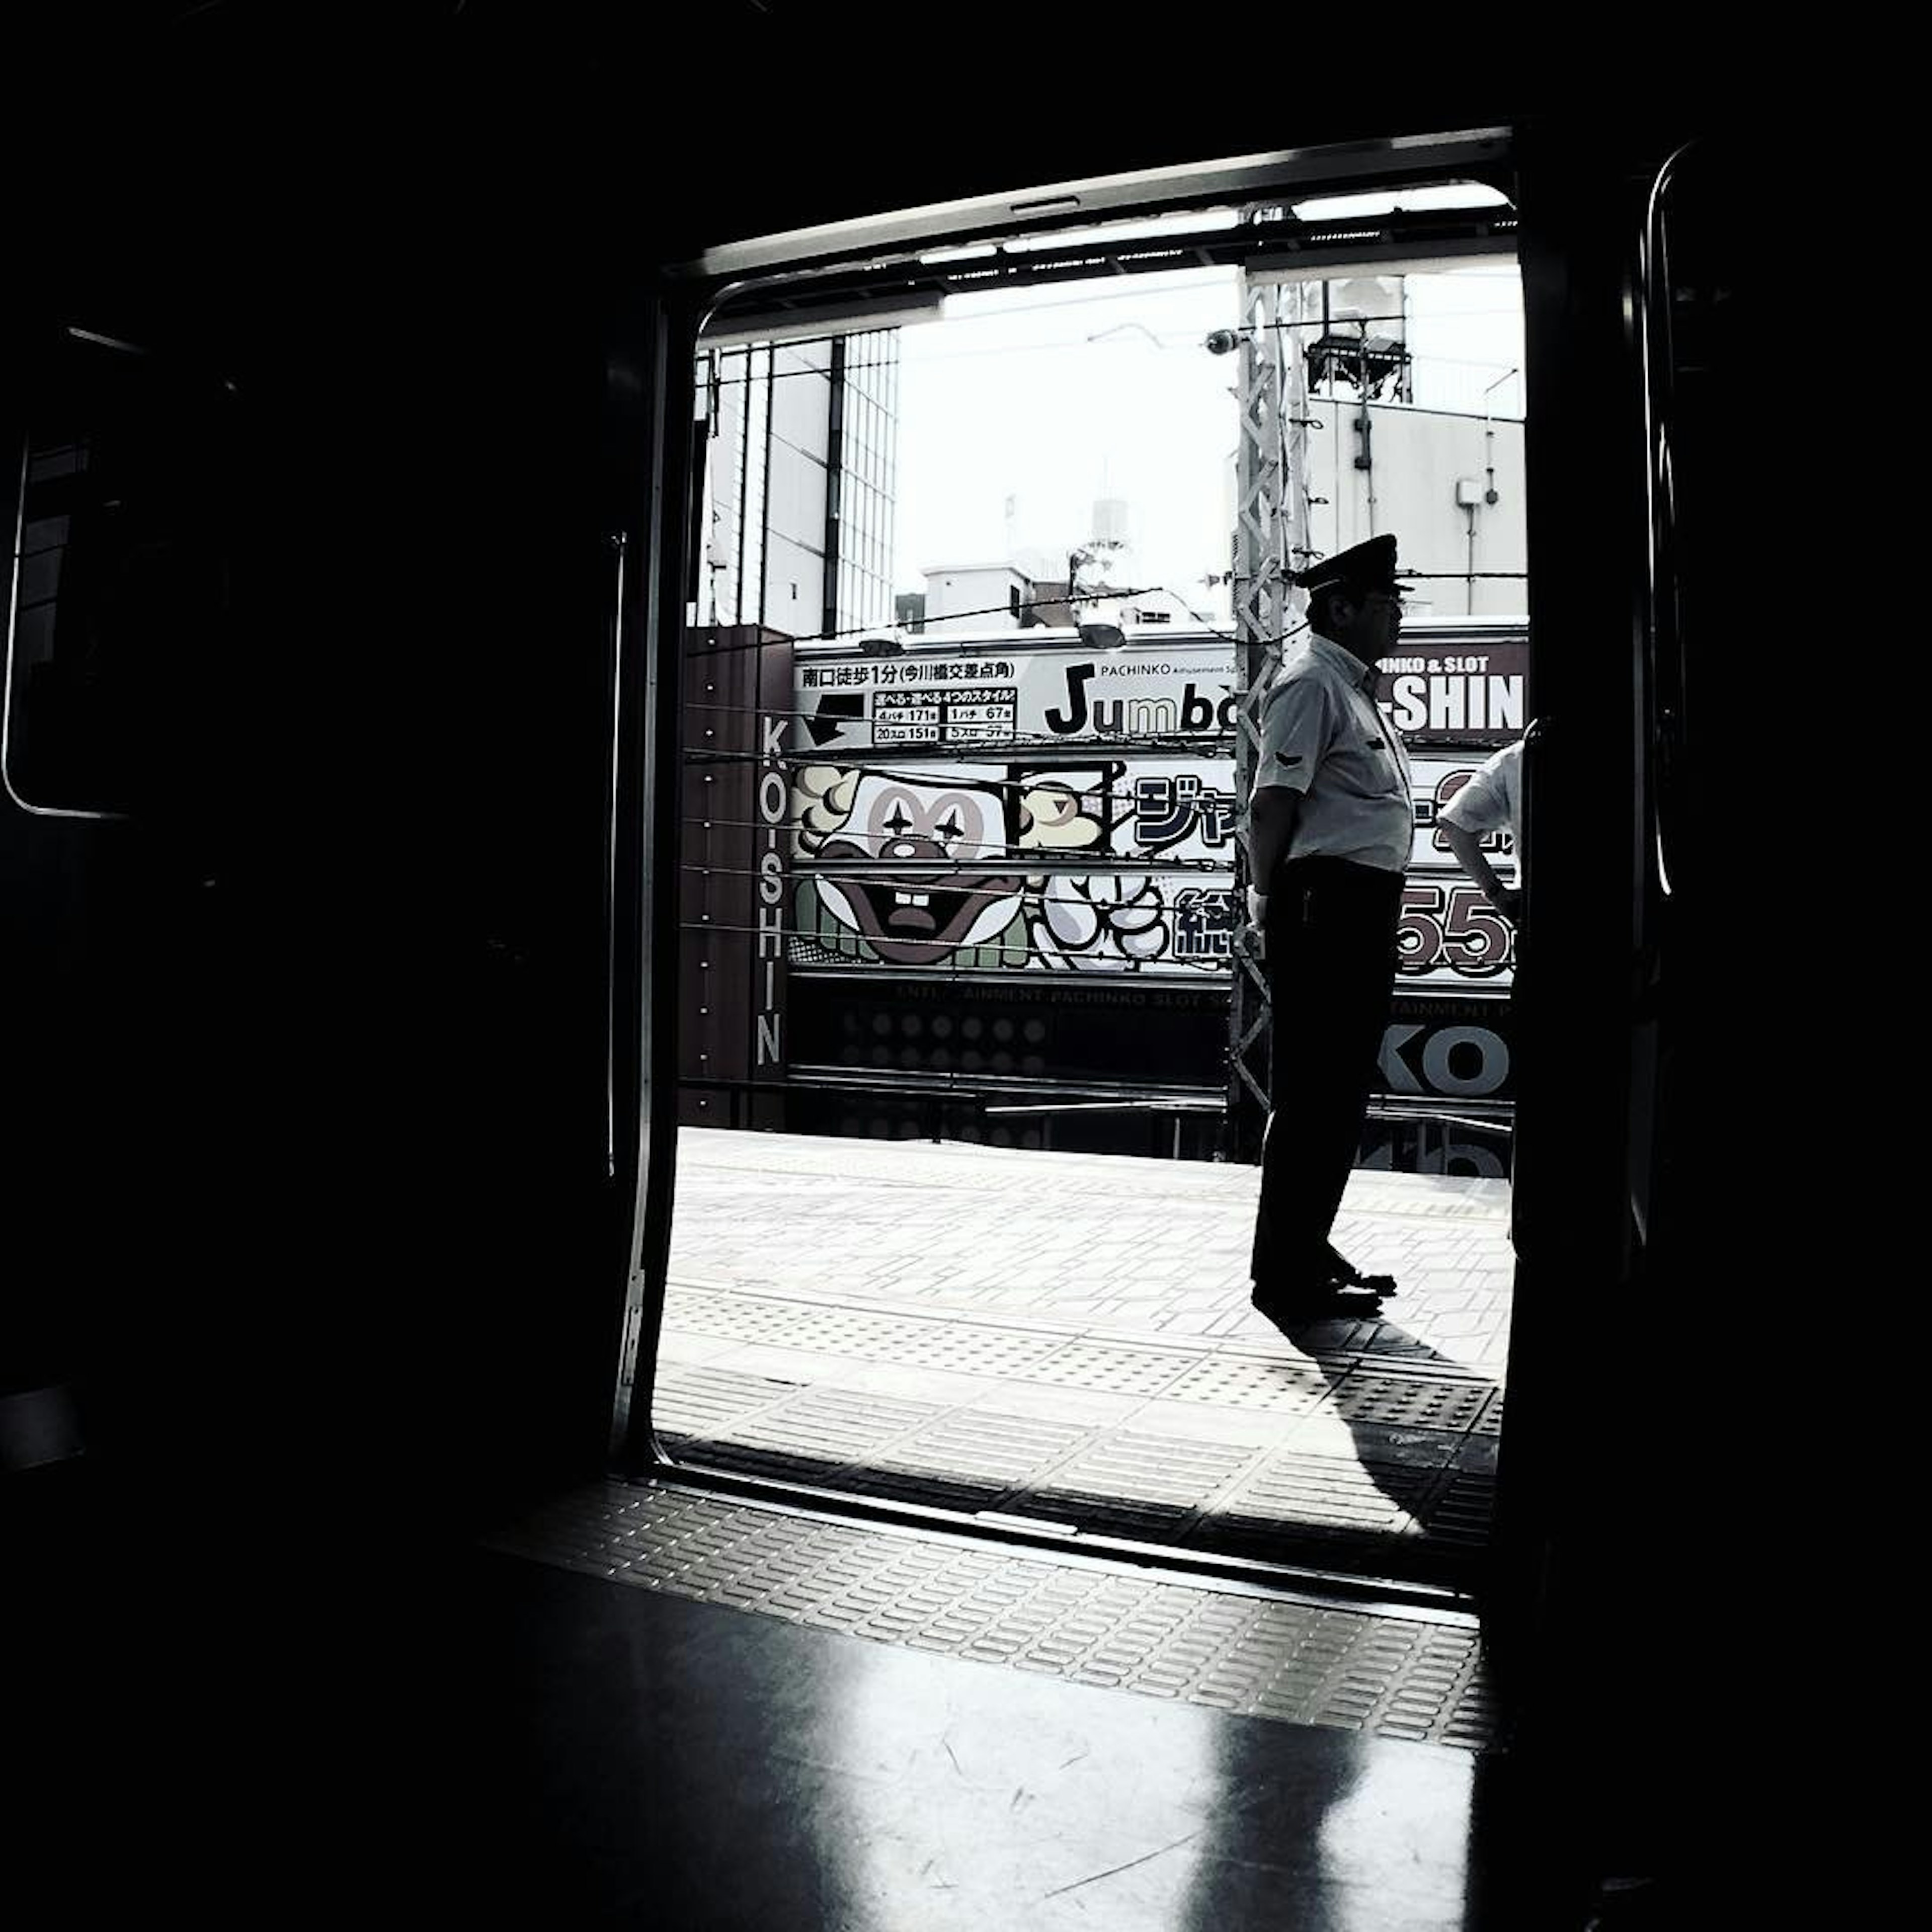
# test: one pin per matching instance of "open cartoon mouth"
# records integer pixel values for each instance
(913, 919)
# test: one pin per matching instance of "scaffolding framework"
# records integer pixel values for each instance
(1271, 542)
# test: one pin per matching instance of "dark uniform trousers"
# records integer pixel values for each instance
(1330, 958)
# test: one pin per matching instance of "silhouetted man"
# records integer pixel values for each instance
(1330, 818)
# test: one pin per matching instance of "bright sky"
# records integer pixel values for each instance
(1046, 399)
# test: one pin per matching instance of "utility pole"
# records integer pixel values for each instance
(1271, 542)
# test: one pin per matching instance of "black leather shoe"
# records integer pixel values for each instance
(1344, 1274)
(1318, 1301)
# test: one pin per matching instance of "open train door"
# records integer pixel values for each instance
(1613, 1518)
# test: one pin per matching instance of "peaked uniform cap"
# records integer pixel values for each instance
(1366, 566)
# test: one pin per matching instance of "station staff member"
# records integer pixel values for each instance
(1491, 802)
(1330, 819)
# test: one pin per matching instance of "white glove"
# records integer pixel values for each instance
(1257, 909)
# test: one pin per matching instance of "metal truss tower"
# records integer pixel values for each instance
(1270, 541)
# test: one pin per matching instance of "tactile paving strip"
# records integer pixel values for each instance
(1237, 1381)
(1153, 1469)
(1407, 1502)
(833, 1426)
(986, 1442)
(1389, 1675)
(1413, 1399)
(1117, 1368)
(1461, 1512)
(1326, 1490)
(908, 1341)
(702, 1402)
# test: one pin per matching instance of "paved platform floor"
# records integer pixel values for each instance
(1068, 1338)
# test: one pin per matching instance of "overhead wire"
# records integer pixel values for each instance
(1065, 598)
(1004, 848)
(948, 646)
(1001, 862)
(1029, 958)
(928, 359)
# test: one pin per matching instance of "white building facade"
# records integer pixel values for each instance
(1450, 487)
(801, 456)
(1400, 440)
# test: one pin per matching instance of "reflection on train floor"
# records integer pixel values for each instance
(1411, 1672)
(693, 1767)
(1068, 1338)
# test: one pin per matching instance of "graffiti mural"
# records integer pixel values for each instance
(943, 893)
(1012, 868)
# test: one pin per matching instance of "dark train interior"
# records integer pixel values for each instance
(340, 1089)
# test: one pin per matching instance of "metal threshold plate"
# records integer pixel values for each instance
(1417, 1676)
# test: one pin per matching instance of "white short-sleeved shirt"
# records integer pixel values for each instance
(1323, 736)
(1492, 800)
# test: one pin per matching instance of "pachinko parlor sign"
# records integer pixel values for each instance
(985, 696)
(996, 851)
(1435, 691)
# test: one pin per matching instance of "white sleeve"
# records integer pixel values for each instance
(1297, 729)
(1481, 805)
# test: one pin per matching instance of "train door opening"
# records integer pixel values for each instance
(989, 516)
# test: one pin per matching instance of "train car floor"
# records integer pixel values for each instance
(271, 1720)
(1414, 1673)
(697, 1767)
(1068, 1339)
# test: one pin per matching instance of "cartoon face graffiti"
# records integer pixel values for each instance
(942, 893)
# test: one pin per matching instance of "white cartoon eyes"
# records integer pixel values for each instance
(895, 818)
(899, 819)
(958, 821)
(1124, 909)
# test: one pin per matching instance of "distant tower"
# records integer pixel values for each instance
(1102, 566)
(1111, 520)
